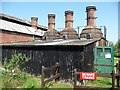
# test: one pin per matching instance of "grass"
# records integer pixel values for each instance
(32, 83)
(25, 80)
(100, 82)
(0, 80)
(60, 85)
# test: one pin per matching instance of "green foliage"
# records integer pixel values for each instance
(16, 77)
(19, 80)
(111, 44)
(31, 83)
(15, 62)
(10, 80)
(117, 49)
(61, 85)
(100, 82)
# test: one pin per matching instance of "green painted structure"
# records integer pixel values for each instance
(103, 59)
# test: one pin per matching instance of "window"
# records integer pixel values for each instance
(108, 53)
(99, 52)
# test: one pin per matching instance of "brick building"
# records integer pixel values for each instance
(69, 32)
(51, 46)
(91, 29)
(17, 30)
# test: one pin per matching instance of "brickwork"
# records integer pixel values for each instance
(91, 13)
(34, 22)
(10, 37)
(51, 22)
(68, 19)
(102, 42)
(69, 32)
(91, 28)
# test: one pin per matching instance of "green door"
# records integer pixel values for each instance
(104, 59)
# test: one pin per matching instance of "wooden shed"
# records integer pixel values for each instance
(71, 54)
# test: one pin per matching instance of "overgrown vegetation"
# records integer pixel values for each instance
(14, 76)
(15, 62)
(17, 77)
(116, 48)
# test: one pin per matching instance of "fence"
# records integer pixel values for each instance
(55, 76)
(118, 74)
(113, 75)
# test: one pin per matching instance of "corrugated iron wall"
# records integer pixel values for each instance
(69, 57)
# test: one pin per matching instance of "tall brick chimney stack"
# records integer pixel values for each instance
(68, 19)
(91, 30)
(51, 22)
(34, 22)
(52, 34)
(91, 13)
(69, 32)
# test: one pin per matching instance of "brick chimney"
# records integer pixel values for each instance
(69, 32)
(51, 22)
(91, 13)
(68, 19)
(34, 22)
(91, 30)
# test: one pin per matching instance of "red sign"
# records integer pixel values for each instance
(87, 76)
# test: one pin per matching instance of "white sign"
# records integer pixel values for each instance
(108, 55)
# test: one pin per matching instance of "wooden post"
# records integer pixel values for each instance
(75, 77)
(117, 72)
(56, 72)
(42, 77)
(119, 75)
(118, 80)
(113, 79)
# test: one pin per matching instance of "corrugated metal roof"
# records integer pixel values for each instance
(20, 20)
(12, 17)
(10, 26)
(75, 42)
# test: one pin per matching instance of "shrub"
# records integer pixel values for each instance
(15, 62)
(16, 77)
(31, 83)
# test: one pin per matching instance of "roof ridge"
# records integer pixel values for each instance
(19, 20)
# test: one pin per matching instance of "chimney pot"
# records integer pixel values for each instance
(68, 12)
(69, 32)
(51, 22)
(90, 7)
(91, 15)
(34, 22)
(69, 19)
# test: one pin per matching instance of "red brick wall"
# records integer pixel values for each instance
(102, 42)
(10, 37)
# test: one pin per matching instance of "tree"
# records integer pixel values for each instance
(117, 49)
(111, 44)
